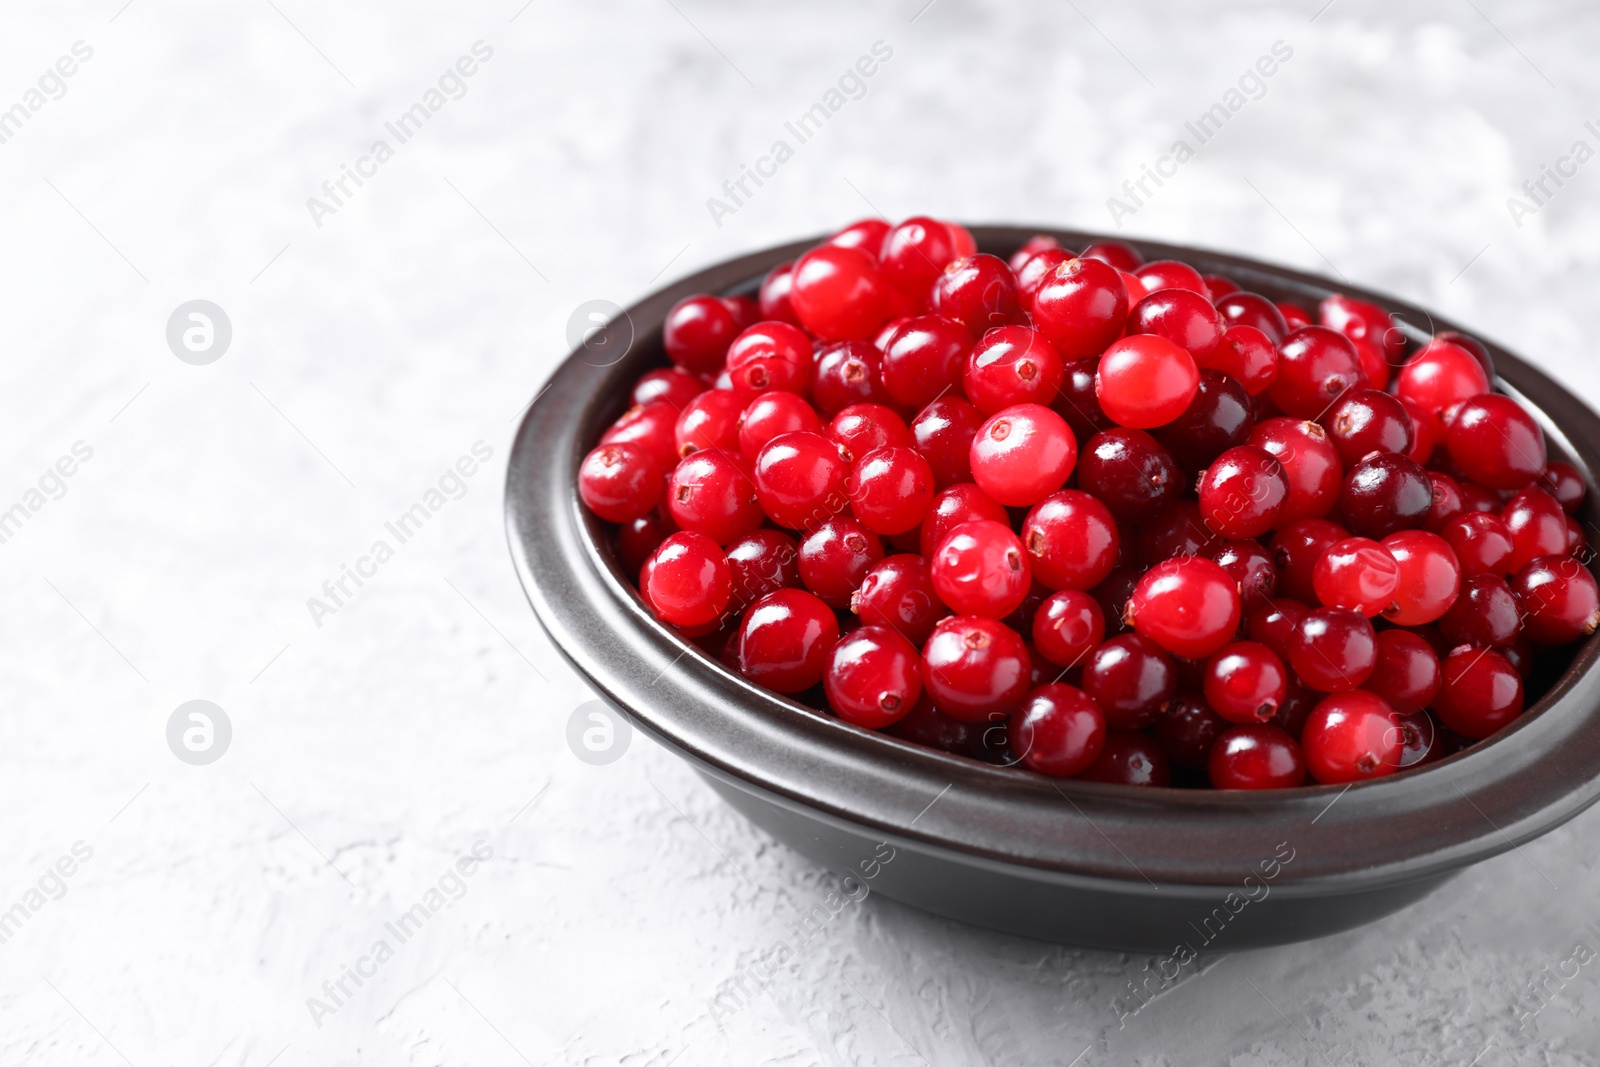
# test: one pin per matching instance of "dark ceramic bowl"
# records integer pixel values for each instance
(1158, 870)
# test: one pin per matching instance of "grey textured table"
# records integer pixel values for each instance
(392, 711)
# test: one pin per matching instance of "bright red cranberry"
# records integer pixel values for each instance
(1189, 606)
(1274, 623)
(980, 568)
(835, 557)
(1447, 503)
(978, 291)
(1440, 376)
(1012, 365)
(710, 421)
(650, 426)
(1485, 613)
(1407, 674)
(746, 310)
(1242, 493)
(1071, 540)
(1560, 479)
(944, 433)
(1186, 731)
(1310, 462)
(785, 639)
(690, 583)
(924, 359)
(669, 384)
(697, 333)
(800, 480)
(619, 481)
(847, 373)
(762, 562)
(1120, 254)
(1537, 525)
(1129, 758)
(1350, 737)
(1560, 600)
(1068, 626)
(1146, 381)
(1481, 692)
(1170, 274)
(774, 297)
(638, 540)
(1132, 680)
(1294, 315)
(1245, 682)
(770, 355)
(961, 240)
(1496, 442)
(1334, 650)
(1036, 271)
(873, 677)
(867, 235)
(1076, 401)
(954, 505)
(1130, 472)
(1359, 574)
(1257, 756)
(1217, 419)
(1182, 316)
(1248, 564)
(862, 428)
(973, 666)
(1316, 366)
(1023, 454)
(1430, 577)
(1360, 320)
(1030, 248)
(891, 489)
(1385, 493)
(1081, 307)
(1480, 541)
(1366, 420)
(1297, 548)
(838, 293)
(1474, 346)
(914, 253)
(771, 414)
(1246, 355)
(1058, 730)
(897, 592)
(1255, 311)
(711, 492)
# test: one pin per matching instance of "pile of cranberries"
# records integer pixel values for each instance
(1099, 517)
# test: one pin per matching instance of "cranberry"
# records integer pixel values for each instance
(785, 640)
(800, 480)
(1359, 574)
(847, 373)
(1128, 758)
(1475, 498)
(1012, 365)
(1481, 692)
(1274, 623)
(1245, 682)
(873, 678)
(710, 492)
(980, 569)
(1577, 540)
(1519, 654)
(1217, 419)
(1246, 355)
(669, 384)
(1562, 481)
(1132, 680)
(774, 297)
(1366, 420)
(1146, 381)
(1081, 307)
(1334, 650)
(1350, 737)
(762, 562)
(838, 293)
(1430, 577)
(1481, 542)
(1407, 674)
(1170, 274)
(866, 234)
(835, 557)
(973, 666)
(1114, 593)
(1188, 606)
(1297, 548)
(1058, 730)
(1071, 540)
(1294, 315)
(650, 426)
(1182, 316)
(1426, 430)
(1032, 247)
(770, 355)
(1496, 442)
(1560, 600)
(638, 540)
(1385, 493)
(1419, 739)
(961, 240)
(1176, 530)
(1315, 367)
(1076, 401)
(954, 505)
(1440, 376)
(710, 421)
(1036, 271)
(697, 332)
(1130, 472)
(1257, 756)
(1255, 311)
(914, 253)
(891, 489)
(1120, 254)
(1068, 626)
(1218, 286)
(620, 481)
(924, 359)
(1186, 731)
(1486, 613)
(1248, 564)
(980, 292)
(1361, 321)
(1023, 454)
(1537, 525)
(862, 428)
(1447, 502)
(898, 592)
(1310, 462)
(1242, 494)
(690, 582)
(771, 414)
(746, 311)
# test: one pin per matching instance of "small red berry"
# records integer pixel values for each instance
(1246, 682)
(1560, 600)
(620, 482)
(697, 333)
(897, 592)
(1023, 454)
(1430, 577)
(1357, 573)
(1057, 730)
(785, 639)
(1072, 540)
(1257, 756)
(1481, 692)
(1351, 737)
(769, 355)
(689, 582)
(800, 480)
(978, 291)
(1333, 650)
(1495, 442)
(1081, 307)
(973, 666)
(891, 489)
(1068, 626)
(873, 677)
(1243, 492)
(1146, 381)
(980, 569)
(1012, 365)
(1188, 606)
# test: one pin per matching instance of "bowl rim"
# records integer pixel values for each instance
(1538, 772)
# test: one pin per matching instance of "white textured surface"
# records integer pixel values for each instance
(416, 722)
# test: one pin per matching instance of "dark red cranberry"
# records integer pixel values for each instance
(1057, 730)
(980, 292)
(1081, 307)
(1316, 366)
(1189, 606)
(1481, 693)
(1257, 756)
(1243, 492)
(1077, 402)
(1254, 310)
(1034, 273)
(1447, 503)
(1187, 730)
(1365, 421)
(1071, 540)
(1218, 286)
(1246, 355)
(1067, 626)
(927, 725)
(1496, 442)
(1351, 737)
(1297, 548)
(862, 428)
(848, 373)
(1561, 480)
(1012, 365)
(973, 666)
(897, 592)
(1176, 530)
(1129, 758)
(1184, 317)
(1296, 708)
(1275, 622)
(1360, 321)
(924, 359)
(1419, 739)
(1248, 564)
(1217, 419)
(1246, 682)
(1357, 573)
(1407, 673)
(1480, 541)
(785, 640)
(1114, 593)
(1485, 613)
(1132, 680)
(1130, 472)
(1560, 601)
(1537, 525)
(638, 540)
(873, 678)
(1385, 493)
(1334, 650)
(944, 431)
(1310, 462)
(1120, 254)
